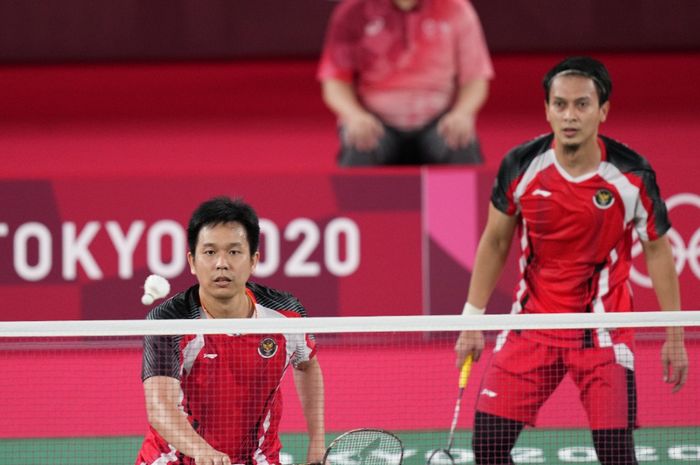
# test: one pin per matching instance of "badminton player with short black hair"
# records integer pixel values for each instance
(214, 399)
(575, 198)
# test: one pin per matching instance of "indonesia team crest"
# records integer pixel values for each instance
(603, 199)
(267, 348)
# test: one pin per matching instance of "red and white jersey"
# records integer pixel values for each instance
(229, 382)
(576, 233)
(406, 65)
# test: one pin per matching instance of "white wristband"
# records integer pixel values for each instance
(470, 309)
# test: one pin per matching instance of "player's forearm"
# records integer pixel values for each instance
(664, 279)
(662, 271)
(471, 97)
(341, 98)
(162, 397)
(309, 385)
(668, 295)
(665, 282)
(172, 425)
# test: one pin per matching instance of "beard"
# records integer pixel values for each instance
(571, 149)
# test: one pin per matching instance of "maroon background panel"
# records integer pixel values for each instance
(133, 30)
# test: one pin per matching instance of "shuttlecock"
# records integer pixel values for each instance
(155, 287)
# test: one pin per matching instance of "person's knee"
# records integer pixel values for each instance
(352, 157)
(434, 150)
(387, 151)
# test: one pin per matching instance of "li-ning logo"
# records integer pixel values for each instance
(603, 199)
(267, 347)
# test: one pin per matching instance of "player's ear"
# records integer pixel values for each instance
(604, 109)
(254, 260)
(190, 260)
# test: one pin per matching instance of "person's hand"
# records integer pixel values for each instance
(211, 456)
(458, 129)
(316, 451)
(469, 342)
(675, 363)
(362, 130)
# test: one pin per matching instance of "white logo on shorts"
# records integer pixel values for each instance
(488, 392)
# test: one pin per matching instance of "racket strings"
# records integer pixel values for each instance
(366, 448)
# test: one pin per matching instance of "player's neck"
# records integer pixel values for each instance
(578, 160)
(239, 306)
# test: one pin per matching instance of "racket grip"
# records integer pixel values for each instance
(464, 372)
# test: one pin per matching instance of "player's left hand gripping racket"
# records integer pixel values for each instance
(365, 446)
(443, 456)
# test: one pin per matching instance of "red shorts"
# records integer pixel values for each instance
(524, 373)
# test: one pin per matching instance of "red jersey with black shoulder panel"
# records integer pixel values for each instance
(576, 233)
(229, 382)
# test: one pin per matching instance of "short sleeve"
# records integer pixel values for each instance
(651, 215)
(161, 357)
(473, 54)
(305, 349)
(303, 345)
(502, 192)
(161, 353)
(338, 57)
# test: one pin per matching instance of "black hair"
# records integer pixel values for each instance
(581, 66)
(220, 210)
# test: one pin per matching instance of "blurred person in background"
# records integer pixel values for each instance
(214, 399)
(575, 197)
(406, 79)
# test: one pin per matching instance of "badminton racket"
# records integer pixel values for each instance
(443, 456)
(364, 446)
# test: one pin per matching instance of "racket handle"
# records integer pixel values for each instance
(464, 372)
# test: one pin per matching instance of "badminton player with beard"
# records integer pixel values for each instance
(215, 399)
(575, 197)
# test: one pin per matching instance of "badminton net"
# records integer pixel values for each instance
(72, 391)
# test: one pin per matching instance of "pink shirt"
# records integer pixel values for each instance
(406, 65)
